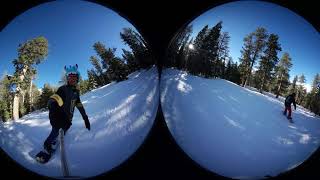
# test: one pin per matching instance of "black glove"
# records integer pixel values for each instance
(86, 122)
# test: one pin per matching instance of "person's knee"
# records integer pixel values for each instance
(65, 129)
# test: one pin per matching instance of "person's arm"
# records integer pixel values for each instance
(55, 102)
(57, 97)
(294, 104)
(83, 113)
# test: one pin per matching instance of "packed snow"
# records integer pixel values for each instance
(235, 131)
(121, 115)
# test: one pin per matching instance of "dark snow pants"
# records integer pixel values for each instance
(51, 140)
(58, 120)
(287, 108)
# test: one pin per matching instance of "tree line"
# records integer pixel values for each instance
(20, 96)
(206, 54)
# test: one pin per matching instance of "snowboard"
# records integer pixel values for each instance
(290, 119)
(44, 156)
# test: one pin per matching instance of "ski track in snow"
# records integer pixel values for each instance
(121, 115)
(235, 131)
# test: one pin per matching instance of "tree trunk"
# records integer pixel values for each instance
(249, 73)
(102, 78)
(262, 83)
(30, 97)
(299, 99)
(11, 107)
(244, 81)
(23, 93)
(15, 107)
(16, 98)
(279, 87)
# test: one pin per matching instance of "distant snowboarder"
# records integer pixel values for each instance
(289, 99)
(61, 107)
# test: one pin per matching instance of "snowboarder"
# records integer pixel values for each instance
(61, 107)
(289, 99)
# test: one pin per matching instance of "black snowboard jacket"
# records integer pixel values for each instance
(61, 106)
(290, 99)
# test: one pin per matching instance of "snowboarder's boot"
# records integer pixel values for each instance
(285, 113)
(50, 148)
(43, 157)
(290, 119)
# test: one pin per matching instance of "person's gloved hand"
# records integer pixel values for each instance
(86, 122)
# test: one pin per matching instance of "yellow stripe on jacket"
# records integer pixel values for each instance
(58, 99)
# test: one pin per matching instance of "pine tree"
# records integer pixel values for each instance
(176, 53)
(22, 108)
(301, 89)
(196, 56)
(204, 59)
(138, 46)
(27, 104)
(30, 53)
(182, 53)
(188, 55)
(314, 103)
(223, 52)
(255, 80)
(281, 80)
(228, 71)
(5, 98)
(211, 47)
(106, 54)
(307, 101)
(233, 72)
(254, 45)
(245, 62)
(47, 91)
(83, 85)
(4, 111)
(116, 69)
(198, 42)
(98, 70)
(293, 86)
(35, 96)
(268, 60)
(129, 58)
(92, 80)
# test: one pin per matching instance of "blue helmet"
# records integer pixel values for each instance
(72, 70)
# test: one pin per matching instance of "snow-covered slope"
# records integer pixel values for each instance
(234, 131)
(121, 115)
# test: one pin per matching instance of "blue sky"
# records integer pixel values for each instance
(71, 27)
(296, 36)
